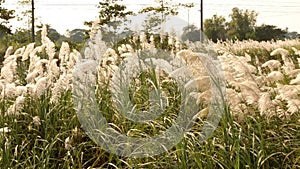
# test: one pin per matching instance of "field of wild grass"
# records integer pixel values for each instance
(259, 127)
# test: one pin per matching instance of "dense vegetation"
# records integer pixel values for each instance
(259, 127)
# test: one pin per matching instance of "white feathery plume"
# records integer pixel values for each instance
(293, 73)
(188, 56)
(33, 60)
(135, 38)
(36, 50)
(5, 130)
(261, 80)
(9, 59)
(50, 46)
(202, 83)
(297, 52)
(64, 52)
(94, 29)
(288, 92)
(126, 55)
(177, 45)
(8, 71)
(74, 56)
(293, 105)
(152, 42)
(32, 75)
(160, 64)
(31, 89)
(288, 63)
(247, 58)
(9, 90)
(41, 86)
(50, 49)
(62, 85)
(21, 90)
(272, 64)
(144, 41)
(15, 108)
(129, 48)
(171, 41)
(275, 76)
(234, 99)
(85, 70)
(68, 143)
(122, 49)
(19, 52)
(296, 80)
(280, 51)
(44, 34)
(264, 102)
(162, 36)
(36, 120)
(8, 52)
(28, 50)
(110, 53)
(204, 97)
(250, 91)
(288, 66)
(53, 69)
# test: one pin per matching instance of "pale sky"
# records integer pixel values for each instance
(70, 14)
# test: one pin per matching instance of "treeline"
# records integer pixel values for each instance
(112, 14)
(242, 26)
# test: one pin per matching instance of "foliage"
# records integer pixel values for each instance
(26, 13)
(5, 16)
(242, 26)
(158, 14)
(214, 28)
(18, 39)
(112, 17)
(269, 32)
(191, 33)
(39, 127)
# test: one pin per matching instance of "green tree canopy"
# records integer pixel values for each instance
(242, 24)
(214, 28)
(157, 14)
(191, 33)
(269, 32)
(112, 16)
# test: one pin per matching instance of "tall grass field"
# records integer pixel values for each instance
(259, 126)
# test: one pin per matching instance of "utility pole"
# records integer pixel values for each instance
(32, 21)
(189, 5)
(201, 20)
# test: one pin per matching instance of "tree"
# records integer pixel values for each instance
(5, 16)
(191, 33)
(215, 29)
(158, 13)
(242, 24)
(291, 35)
(30, 13)
(164, 8)
(112, 17)
(269, 32)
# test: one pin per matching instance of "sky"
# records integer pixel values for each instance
(65, 15)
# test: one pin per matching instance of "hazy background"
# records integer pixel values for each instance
(70, 14)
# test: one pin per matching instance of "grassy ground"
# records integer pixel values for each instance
(48, 135)
(254, 143)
